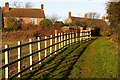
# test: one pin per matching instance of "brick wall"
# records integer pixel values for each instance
(25, 21)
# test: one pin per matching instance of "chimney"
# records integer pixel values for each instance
(6, 7)
(103, 18)
(85, 15)
(42, 6)
(69, 15)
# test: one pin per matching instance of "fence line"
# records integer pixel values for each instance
(60, 41)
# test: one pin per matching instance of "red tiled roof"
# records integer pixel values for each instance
(99, 21)
(76, 18)
(81, 18)
(25, 12)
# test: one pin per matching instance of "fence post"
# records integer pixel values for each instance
(55, 40)
(76, 37)
(59, 40)
(51, 44)
(39, 46)
(90, 34)
(67, 38)
(30, 49)
(87, 35)
(70, 38)
(19, 55)
(45, 46)
(84, 38)
(81, 34)
(6, 62)
(64, 39)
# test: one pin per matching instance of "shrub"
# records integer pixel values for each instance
(77, 23)
(96, 31)
(46, 22)
(13, 24)
(28, 27)
(58, 24)
(66, 24)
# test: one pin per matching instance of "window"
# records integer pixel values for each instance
(32, 21)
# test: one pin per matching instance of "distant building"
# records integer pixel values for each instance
(28, 15)
(71, 18)
(101, 23)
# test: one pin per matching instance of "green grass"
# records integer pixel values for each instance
(59, 65)
(100, 60)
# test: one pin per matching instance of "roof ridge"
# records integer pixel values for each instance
(27, 8)
(84, 18)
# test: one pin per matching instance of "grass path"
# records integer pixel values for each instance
(100, 60)
(60, 64)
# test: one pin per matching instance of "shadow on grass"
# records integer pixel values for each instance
(63, 71)
(49, 60)
(60, 64)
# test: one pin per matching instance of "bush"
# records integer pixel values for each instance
(46, 22)
(13, 24)
(77, 23)
(58, 24)
(96, 31)
(66, 24)
(28, 27)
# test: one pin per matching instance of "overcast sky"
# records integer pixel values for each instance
(62, 7)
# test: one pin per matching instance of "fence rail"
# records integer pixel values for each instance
(58, 41)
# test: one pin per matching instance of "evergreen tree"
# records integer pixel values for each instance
(113, 15)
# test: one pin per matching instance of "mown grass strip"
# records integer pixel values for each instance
(63, 70)
(100, 60)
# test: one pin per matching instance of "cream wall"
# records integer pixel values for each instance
(69, 20)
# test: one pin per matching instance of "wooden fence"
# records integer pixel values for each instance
(61, 40)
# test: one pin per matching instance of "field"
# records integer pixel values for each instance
(59, 65)
(93, 59)
(100, 60)
(97, 61)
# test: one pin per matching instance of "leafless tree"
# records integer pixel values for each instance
(53, 18)
(93, 15)
(28, 5)
(17, 4)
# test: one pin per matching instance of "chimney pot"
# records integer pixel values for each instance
(42, 6)
(6, 7)
(69, 14)
(103, 18)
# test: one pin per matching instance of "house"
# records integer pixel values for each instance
(71, 18)
(101, 23)
(27, 15)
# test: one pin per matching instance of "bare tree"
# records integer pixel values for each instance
(17, 4)
(28, 5)
(93, 15)
(53, 18)
(20, 5)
